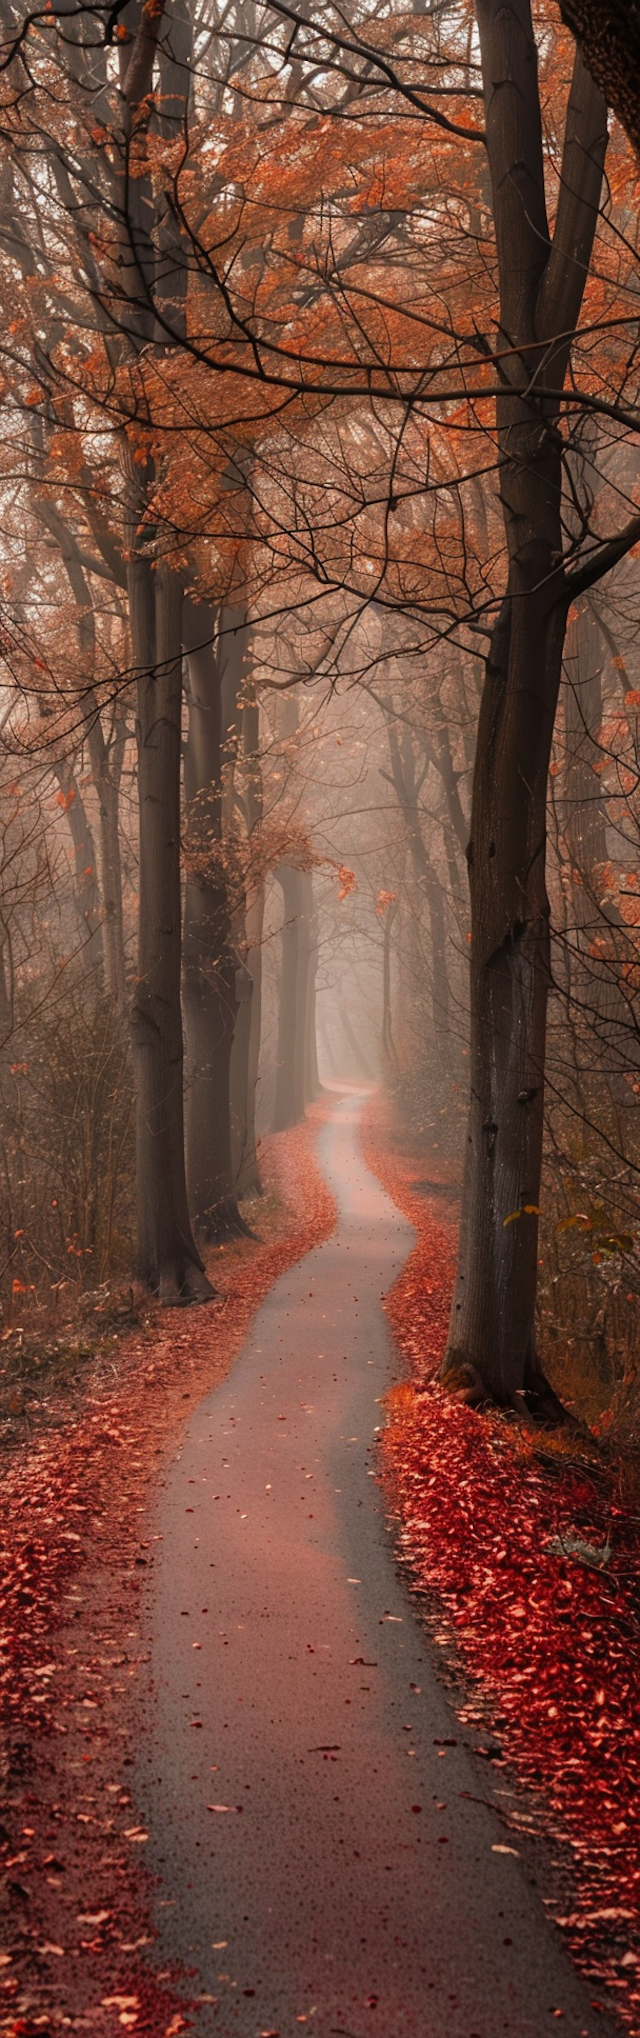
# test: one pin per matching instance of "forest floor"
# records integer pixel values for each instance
(527, 1560)
(77, 1481)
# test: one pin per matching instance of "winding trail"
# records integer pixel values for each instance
(348, 1887)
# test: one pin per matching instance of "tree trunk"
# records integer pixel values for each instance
(249, 1181)
(6, 985)
(599, 947)
(492, 1344)
(311, 1077)
(389, 1056)
(210, 1008)
(290, 1070)
(106, 760)
(168, 1260)
(107, 784)
(209, 976)
(86, 891)
(404, 778)
(240, 1127)
(493, 1317)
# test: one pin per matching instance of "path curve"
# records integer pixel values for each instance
(348, 1887)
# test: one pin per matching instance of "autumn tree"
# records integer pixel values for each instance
(245, 286)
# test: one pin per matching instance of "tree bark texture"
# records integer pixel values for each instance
(492, 1344)
(249, 1181)
(389, 1055)
(106, 765)
(404, 779)
(86, 891)
(168, 1259)
(295, 1017)
(209, 975)
(106, 758)
(609, 41)
(240, 1116)
(598, 941)
(248, 1178)
(311, 1075)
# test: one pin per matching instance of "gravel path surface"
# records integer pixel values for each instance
(319, 1863)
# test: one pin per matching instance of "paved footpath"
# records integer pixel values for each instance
(318, 1867)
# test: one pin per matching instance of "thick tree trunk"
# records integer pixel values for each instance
(86, 891)
(249, 1182)
(311, 1076)
(107, 784)
(389, 1055)
(290, 1069)
(440, 1008)
(209, 976)
(493, 1317)
(599, 947)
(168, 1257)
(240, 1125)
(404, 779)
(250, 1178)
(106, 760)
(210, 1008)
(492, 1346)
(168, 1260)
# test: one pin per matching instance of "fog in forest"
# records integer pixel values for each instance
(319, 935)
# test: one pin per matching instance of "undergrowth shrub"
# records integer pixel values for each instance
(66, 1154)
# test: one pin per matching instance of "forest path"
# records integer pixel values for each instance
(350, 1886)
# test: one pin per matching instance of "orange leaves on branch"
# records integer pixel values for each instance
(383, 902)
(238, 863)
(346, 881)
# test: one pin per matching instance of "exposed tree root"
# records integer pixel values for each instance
(179, 1287)
(224, 1222)
(464, 1383)
(535, 1404)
